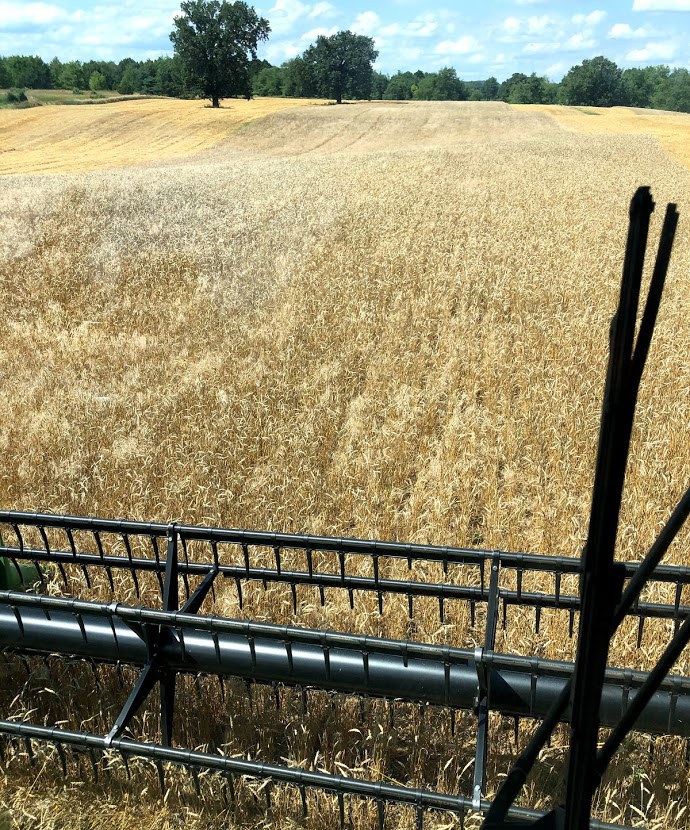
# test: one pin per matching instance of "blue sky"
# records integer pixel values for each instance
(493, 38)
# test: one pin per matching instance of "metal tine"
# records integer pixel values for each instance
(238, 585)
(303, 794)
(687, 753)
(516, 730)
(221, 683)
(94, 764)
(410, 606)
(63, 758)
(351, 595)
(341, 807)
(381, 812)
(197, 685)
(161, 776)
(571, 624)
(341, 559)
(276, 553)
(473, 612)
(676, 607)
(250, 696)
(322, 595)
(245, 553)
(94, 671)
(537, 618)
(231, 787)
(29, 750)
(276, 696)
(440, 610)
(132, 569)
(294, 598)
(156, 555)
(505, 614)
(305, 701)
(267, 793)
(194, 772)
(185, 577)
(310, 562)
(420, 817)
(640, 629)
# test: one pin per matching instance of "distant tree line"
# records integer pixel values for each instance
(325, 70)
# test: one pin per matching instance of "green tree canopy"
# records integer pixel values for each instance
(97, 81)
(28, 71)
(72, 76)
(399, 87)
(594, 83)
(342, 64)
(441, 86)
(673, 92)
(268, 81)
(490, 89)
(215, 42)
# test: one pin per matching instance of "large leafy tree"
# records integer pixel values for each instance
(594, 83)
(28, 71)
(215, 42)
(342, 64)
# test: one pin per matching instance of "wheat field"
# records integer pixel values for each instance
(386, 321)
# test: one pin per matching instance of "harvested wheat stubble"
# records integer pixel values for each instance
(400, 336)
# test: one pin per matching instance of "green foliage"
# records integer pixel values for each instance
(129, 81)
(299, 80)
(399, 87)
(490, 89)
(5, 79)
(673, 92)
(29, 72)
(594, 83)
(97, 82)
(533, 90)
(342, 65)
(379, 82)
(269, 81)
(214, 42)
(72, 76)
(441, 86)
(15, 96)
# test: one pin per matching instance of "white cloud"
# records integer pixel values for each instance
(322, 9)
(590, 19)
(533, 48)
(580, 41)
(423, 26)
(12, 14)
(461, 46)
(625, 30)
(511, 25)
(555, 69)
(652, 51)
(312, 34)
(285, 14)
(661, 6)
(366, 23)
(538, 24)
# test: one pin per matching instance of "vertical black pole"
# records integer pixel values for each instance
(599, 576)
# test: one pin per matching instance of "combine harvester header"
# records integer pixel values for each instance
(173, 637)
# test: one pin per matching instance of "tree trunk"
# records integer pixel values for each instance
(339, 96)
(215, 101)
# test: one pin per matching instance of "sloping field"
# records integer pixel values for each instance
(672, 129)
(380, 321)
(81, 138)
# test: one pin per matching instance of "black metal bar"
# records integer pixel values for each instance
(599, 600)
(295, 776)
(643, 696)
(422, 673)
